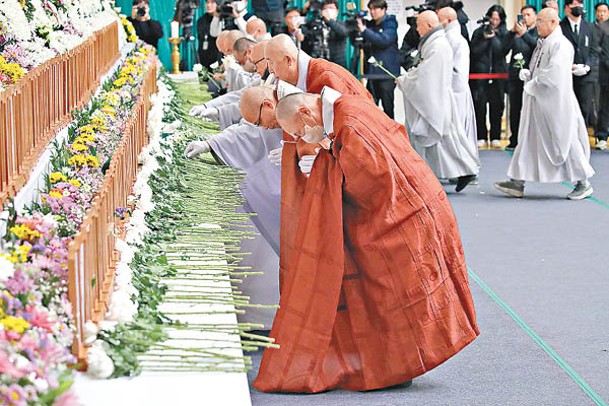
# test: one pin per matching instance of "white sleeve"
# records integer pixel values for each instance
(241, 24)
(215, 27)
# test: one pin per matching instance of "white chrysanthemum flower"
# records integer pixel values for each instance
(99, 363)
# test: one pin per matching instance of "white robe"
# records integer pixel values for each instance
(461, 90)
(247, 147)
(553, 141)
(431, 111)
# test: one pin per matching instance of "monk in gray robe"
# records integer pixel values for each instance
(432, 115)
(553, 141)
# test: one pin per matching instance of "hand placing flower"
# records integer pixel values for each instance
(518, 61)
(379, 65)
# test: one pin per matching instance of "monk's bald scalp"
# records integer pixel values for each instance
(548, 13)
(447, 13)
(243, 44)
(233, 36)
(255, 24)
(288, 107)
(428, 17)
(281, 45)
(251, 99)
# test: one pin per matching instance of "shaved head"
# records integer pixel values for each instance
(427, 21)
(257, 58)
(547, 21)
(258, 107)
(221, 41)
(241, 49)
(231, 38)
(298, 111)
(282, 55)
(256, 28)
(446, 15)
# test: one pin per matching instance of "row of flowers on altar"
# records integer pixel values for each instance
(34, 31)
(36, 326)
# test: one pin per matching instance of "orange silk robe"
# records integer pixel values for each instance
(375, 292)
(293, 182)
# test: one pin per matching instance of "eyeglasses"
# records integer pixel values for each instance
(258, 61)
(257, 123)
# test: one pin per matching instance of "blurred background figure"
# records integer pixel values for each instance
(148, 30)
(207, 50)
(380, 36)
(521, 40)
(488, 57)
(256, 29)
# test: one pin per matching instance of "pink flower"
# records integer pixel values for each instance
(68, 398)
(7, 367)
(40, 318)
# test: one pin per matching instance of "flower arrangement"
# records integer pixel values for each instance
(128, 26)
(35, 314)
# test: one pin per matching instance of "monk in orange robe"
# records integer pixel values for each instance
(295, 67)
(376, 290)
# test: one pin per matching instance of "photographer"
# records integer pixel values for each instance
(208, 51)
(149, 31)
(230, 15)
(521, 40)
(381, 41)
(324, 36)
(488, 57)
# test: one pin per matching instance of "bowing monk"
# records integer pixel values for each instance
(376, 290)
(295, 67)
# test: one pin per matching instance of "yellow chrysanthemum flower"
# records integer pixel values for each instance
(75, 182)
(16, 324)
(23, 232)
(56, 177)
(56, 194)
(92, 161)
(109, 110)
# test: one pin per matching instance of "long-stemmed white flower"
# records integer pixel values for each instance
(379, 65)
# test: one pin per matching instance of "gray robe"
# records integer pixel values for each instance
(460, 83)
(432, 117)
(553, 141)
(247, 147)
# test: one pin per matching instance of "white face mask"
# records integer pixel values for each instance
(313, 134)
(332, 14)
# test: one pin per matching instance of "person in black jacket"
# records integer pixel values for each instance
(521, 40)
(488, 57)
(581, 35)
(149, 31)
(337, 32)
(207, 50)
(381, 41)
(602, 127)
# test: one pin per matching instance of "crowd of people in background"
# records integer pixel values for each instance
(497, 52)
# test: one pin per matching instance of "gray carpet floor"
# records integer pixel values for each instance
(546, 258)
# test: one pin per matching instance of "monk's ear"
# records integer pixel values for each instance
(306, 116)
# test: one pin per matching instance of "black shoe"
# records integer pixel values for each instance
(463, 181)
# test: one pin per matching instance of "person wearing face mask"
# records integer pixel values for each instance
(432, 116)
(376, 290)
(236, 21)
(580, 34)
(337, 32)
(208, 51)
(488, 57)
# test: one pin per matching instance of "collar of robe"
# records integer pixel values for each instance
(426, 37)
(328, 98)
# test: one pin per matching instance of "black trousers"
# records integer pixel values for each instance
(515, 90)
(382, 89)
(584, 91)
(492, 93)
(602, 127)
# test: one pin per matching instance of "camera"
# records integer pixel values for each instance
(487, 28)
(225, 8)
(316, 32)
(352, 15)
(185, 12)
(141, 11)
(428, 5)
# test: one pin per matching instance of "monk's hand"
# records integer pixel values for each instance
(275, 156)
(196, 148)
(196, 110)
(580, 70)
(208, 114)
(524, 75)
(306, 163)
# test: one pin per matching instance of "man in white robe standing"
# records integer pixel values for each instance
(553, 141)
(432, 116)
(461, 90)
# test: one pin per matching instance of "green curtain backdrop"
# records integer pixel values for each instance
(588, 6)
(163, 11)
